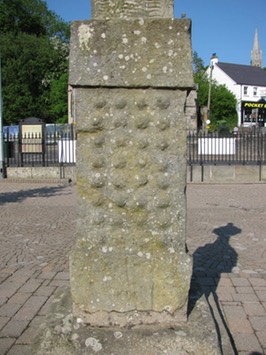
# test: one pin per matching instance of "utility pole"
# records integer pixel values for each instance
(209, 96)
(214, 59)
(2, 164)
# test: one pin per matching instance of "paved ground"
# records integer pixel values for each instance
(226, 237)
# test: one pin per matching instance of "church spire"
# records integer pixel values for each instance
(256, 53)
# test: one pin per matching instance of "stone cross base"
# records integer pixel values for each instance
(131, 79)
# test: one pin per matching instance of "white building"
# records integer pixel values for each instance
(247, 83)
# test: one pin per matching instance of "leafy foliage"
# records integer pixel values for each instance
(58, 106)
(223, 107)
(197, 64)
(31, 17)
(223, 102)
(34, 52)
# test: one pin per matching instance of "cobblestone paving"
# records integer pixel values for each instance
(226, 238)
(37, 232)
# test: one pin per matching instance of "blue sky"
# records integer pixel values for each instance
(225, 27)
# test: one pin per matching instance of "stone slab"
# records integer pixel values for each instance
(131, 53)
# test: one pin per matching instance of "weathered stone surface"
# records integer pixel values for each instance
(130, 78)
(131, 53)
(64, 334)
(128, 8)
(130, 251)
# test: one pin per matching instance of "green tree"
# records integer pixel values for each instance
(197, 64)
(223, 107)
(59, 99)
(34, 51)
(223, 102)
(31, 17)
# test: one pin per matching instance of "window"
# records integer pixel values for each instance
(255, 91)
(245, 90)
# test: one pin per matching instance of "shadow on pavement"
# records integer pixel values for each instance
(19, 196)
(209, 262)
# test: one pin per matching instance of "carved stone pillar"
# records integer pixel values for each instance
(130, 69)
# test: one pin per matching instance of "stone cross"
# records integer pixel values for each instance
(130, 70)
(129, 9)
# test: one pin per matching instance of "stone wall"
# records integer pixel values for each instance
(196, 174)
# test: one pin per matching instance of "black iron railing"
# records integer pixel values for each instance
(241, 148)
(36, 150)
(54, 149)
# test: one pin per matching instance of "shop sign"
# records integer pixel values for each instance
(254, 104)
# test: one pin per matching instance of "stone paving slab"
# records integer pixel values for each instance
(226, 238)
(37, 232)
